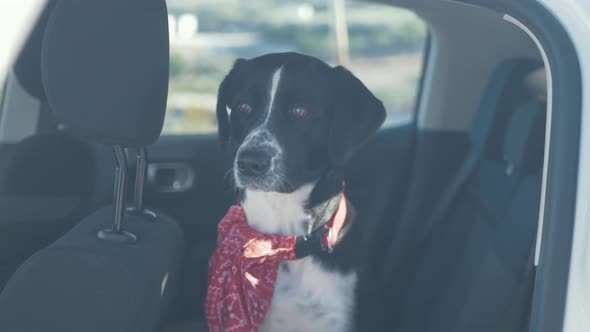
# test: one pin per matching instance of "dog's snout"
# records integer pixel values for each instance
(253, 162)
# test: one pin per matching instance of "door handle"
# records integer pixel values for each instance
(170, 176)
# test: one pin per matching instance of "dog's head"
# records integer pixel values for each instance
(288, 118)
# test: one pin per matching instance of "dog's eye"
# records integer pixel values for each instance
(299, 112)
(244, 108)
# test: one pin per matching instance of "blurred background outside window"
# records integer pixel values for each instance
(382, 45)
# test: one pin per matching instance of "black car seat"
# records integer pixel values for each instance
(472, 265)
(46, 180)
(105, 73)
(472, 256)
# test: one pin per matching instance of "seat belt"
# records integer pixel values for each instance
(441, 209)
(517, 317)
(518, 314)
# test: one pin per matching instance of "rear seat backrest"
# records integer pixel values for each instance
(500, 248)
(504, 93)
(426, 206)
(473, 262)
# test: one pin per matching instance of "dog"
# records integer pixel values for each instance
(289, 123)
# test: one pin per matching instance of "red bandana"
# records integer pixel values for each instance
(243, 269)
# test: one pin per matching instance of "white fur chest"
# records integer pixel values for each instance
(277, 213)
(307, 296)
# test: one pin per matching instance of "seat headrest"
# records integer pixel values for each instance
(105, 65)
(537, 83)
(524, 140)
(505, 91)
(27, 68)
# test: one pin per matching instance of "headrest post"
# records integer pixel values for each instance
(140, 176)
(120, 184)
(141, 172)
(117, 234)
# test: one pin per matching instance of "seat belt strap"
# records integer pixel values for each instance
(517, 316)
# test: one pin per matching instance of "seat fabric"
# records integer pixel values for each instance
(81, 281)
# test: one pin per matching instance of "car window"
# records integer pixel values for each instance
(381, 44)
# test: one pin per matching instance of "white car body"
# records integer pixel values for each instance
(574, 15)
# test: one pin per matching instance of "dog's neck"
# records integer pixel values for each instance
(296, 213)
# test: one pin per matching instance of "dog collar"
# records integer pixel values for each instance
(325, 237)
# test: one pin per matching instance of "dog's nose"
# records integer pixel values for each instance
(253, 162)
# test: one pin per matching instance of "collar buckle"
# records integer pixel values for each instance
(327, 240)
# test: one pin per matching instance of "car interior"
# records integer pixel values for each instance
(450, 197)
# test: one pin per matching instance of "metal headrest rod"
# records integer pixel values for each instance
(140, 177)
(117, 234)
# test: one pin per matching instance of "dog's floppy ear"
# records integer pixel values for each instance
(223, 94)
(356, 115)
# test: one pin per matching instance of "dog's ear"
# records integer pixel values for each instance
(356, 115)
(223, 94)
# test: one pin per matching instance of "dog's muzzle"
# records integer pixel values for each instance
(253, 162)
(258, 161)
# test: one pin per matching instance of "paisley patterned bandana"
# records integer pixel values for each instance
(243, 268)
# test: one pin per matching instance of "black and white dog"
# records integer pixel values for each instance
(290, 123)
